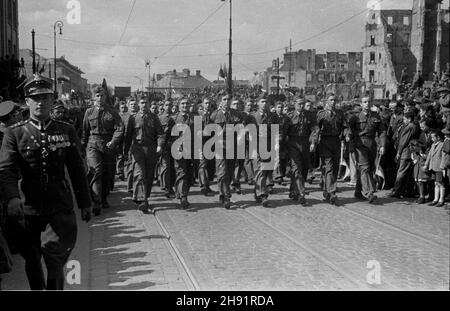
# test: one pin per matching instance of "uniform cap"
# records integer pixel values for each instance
(38, 85)
(446, 131)
(300, 101)
(7, 107)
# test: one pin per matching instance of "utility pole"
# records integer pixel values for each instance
(147, 64)
(34, 51)
(278, 76)
(290, 62)
(58, 24)
(290, 66)
(230, 56)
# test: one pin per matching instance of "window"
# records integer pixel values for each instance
(342, 66)
(332, 78)
(390, 20)
(379, 56)
(372, 57)
(371, 76)
(372, 40)
(321, 77)
(405, 20)
(308, 77)
(389, 38)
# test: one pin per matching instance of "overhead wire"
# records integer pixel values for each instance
(123, 31)
(190, 33)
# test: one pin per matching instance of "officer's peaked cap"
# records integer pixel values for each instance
(38, 85)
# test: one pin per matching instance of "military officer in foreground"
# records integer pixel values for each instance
(102, 132)
(36, 151)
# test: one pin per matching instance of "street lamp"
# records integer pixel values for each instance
(58, 24)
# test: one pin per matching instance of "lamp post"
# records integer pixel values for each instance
(58, 24)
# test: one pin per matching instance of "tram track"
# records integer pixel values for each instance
(391, 226)
(188, 275)
(322, 258)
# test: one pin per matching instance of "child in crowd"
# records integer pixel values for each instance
(433, 164)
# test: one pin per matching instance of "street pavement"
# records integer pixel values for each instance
(390, 245)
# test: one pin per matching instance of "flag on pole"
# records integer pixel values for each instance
(225, 71)
(221, 73)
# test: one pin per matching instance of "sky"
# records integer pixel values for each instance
(177, 34)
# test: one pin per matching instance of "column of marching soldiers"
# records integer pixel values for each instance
(408, 137)
(138, 141)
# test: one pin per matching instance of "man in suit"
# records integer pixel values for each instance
(408, 132)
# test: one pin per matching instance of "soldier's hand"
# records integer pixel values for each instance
(347, 139)
(158, 149)
(397, 157)
(382, 151)
(86, 214)
(109, 145)
(444, 173)
(15, 208)
(312, 148)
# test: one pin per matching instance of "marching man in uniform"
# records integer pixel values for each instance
(102, 133)
(327, 137)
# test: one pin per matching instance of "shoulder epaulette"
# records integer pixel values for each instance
(19, 124)
(62, 122)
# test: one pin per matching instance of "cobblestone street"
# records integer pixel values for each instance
(286, 247)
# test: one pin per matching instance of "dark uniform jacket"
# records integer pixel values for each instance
(39, 155)
(267, 118)
(233, 117)
(299, 124)
(329, 124)
(368, 126)
(102, 125)
(186, 119)
(165, 120)
(144, 129)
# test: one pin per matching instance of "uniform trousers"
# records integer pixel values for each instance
(365, 153)
(330, 153)
(144, 158)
